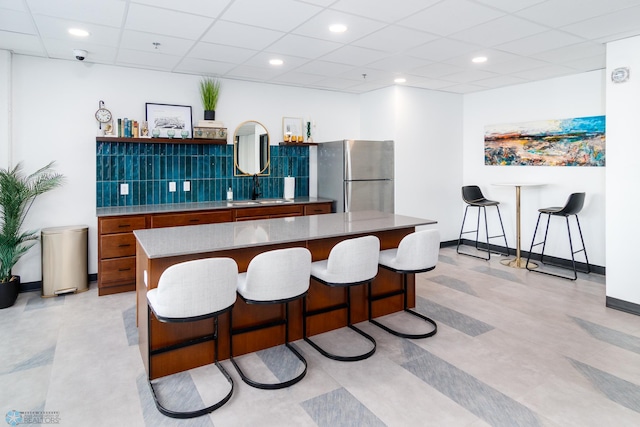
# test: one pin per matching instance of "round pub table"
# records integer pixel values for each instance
(518, 262)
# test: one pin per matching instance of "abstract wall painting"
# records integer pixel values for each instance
(567, 142)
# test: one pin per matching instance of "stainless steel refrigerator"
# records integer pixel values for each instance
(358, 175)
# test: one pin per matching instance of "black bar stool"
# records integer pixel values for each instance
(574, 205)
(351, 262)
(473, 197)
(189, 292)
(274, 277)
(416, 253)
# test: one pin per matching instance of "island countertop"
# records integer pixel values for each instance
(195, 239)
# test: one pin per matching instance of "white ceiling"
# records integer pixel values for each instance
(428, 42)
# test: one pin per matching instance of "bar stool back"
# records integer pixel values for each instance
(351, 262)
(189, 292)
(274, 277)
(574, 205)
(473, 197)
(416, 253)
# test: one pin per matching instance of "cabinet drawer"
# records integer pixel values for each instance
(175, 220)
(121, 224)
(269, 211)
(120, 270)
(117, 245)
(317, 209)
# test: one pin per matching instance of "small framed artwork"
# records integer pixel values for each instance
(291, 128)
(165, 117)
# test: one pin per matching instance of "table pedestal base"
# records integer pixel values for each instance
(518, 263)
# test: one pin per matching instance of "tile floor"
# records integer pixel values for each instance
(513, 348)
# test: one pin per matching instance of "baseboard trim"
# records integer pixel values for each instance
(37, 286)
(558, 262)
(621, 305)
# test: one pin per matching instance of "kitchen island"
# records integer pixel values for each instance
(157, 249)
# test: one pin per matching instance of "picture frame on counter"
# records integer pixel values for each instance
(164, 117)
(291, 128)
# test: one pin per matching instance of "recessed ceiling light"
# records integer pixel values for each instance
(400, 80)
(78, 32)
(338, 28)
(479, 59)
(276, 61)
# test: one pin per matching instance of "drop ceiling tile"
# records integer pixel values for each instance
(57, 28)
(394, 38)
(366, 87)
(24, 44)
(493, 56)
(386, 11)
(464, 88)
(336, 83)
(357, 27)
(281, 15)
(558, 13)
(501, 81)
(253, 73)
(607, 25)
(433, 84)
(370, 75)
(197, 7)
(203, 67)
(102, 54)
(247, 36)
(324, 68)
(540, 42)
(399, 63)
(147, 59)
(17, 22)
(499, 31)
(136, 40)
(543, 73)
(587, 64)
(510, 5)
(573, 52)
(436, 71)
(16, 5)
(216, 52)
(166, 22)
(110, 13)
(305, 47)
(514, 65)
(451, 16)
(442, 49)
(469, 76)
(296, 78)
(353, 55)
(261, 60)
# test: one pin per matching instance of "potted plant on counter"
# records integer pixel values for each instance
(209, 93)
(17, 194)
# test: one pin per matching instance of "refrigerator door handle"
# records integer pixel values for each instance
(347, 198)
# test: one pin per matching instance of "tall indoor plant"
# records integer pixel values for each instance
(209, 93)
(17, 194)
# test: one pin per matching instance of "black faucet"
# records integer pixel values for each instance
(255, 192)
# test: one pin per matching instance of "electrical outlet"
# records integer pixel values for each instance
(186, 186)
(124, 189)
(172, 187)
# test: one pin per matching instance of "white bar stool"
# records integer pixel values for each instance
(188, 292)
(416, 253)
(351, 262)
(275, 277)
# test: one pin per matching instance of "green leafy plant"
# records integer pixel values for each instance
(17, 194)
(209, 93)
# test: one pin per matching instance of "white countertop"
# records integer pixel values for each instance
(176, 241)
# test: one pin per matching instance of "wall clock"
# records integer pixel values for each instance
(102, 115)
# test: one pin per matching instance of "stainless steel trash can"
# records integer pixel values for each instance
(64, 260)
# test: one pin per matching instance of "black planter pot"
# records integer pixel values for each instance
(9, 292)
(209, 114)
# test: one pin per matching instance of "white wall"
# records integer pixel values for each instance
(574, 96)
(623, 172)
(53, 119)
(426, 126)
(5, 107)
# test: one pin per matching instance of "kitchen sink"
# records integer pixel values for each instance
(274, 201)
(245, 203)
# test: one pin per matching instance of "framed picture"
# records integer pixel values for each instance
(291, 127)
(164, 117)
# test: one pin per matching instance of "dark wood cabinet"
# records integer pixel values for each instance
(117, 244)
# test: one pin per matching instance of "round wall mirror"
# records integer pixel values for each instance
(251, 149)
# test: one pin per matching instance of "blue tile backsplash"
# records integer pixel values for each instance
(148, 169)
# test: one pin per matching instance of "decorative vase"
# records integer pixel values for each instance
(9, 292)
(209, 114)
